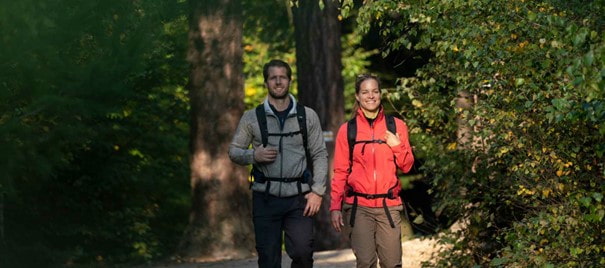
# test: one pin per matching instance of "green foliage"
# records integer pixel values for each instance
(528, 179)
(93, 127)
(256, 54)
(355, 61)
(268, 34)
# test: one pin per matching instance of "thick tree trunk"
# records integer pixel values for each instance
(320, 86)
(220, 224)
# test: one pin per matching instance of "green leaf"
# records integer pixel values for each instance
(498, 261)
(600, 214)
(418, 220)
(585, 201)
(579, 38)
(578, 81)
(589, 58)
(531, 16)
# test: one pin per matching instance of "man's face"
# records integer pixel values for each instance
(277, 82)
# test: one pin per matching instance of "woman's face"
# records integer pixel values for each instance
(369, 96)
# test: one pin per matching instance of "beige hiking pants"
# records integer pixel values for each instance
(372, 236)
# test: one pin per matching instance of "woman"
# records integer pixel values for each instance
(365, 188)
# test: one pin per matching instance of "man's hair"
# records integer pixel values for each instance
(276, 63)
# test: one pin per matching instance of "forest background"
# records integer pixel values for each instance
(115, 115)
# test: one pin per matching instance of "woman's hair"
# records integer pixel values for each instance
(358, 81)
(364, 77)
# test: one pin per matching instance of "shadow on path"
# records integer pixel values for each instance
(415, 251)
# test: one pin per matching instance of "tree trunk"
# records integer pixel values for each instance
(220, 224)
(320, 86)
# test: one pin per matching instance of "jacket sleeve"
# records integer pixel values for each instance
(403, 153)
(341, 168)
(239, 149)
(318, 152)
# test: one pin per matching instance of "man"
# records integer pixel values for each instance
(285, 194)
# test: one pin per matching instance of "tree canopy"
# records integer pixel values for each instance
(93, 129)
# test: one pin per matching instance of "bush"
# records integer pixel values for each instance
(513, 102)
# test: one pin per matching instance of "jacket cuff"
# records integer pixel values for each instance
(318, 189)
(398, 149)
(250, 156)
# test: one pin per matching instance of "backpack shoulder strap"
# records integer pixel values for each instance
(351, 137)
(392, 127)
(390, 120)
(352, 134)
(261, 117)
(301, 116)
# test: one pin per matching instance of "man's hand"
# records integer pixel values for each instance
(337, 222)
(313, 204)
(265, 154)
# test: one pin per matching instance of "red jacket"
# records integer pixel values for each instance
(374, 171)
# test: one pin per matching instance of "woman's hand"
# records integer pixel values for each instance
(392, 139)
(337, 222)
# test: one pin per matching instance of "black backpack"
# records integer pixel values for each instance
(301, 117)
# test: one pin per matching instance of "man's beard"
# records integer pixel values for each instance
(282, 96)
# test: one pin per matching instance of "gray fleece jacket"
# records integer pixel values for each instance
(291, 160)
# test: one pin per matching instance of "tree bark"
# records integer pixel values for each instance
(321, 87)
(220, 225)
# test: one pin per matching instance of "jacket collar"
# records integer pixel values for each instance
(269, 111)
(362, 117)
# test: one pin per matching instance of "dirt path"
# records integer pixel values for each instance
(415, 251)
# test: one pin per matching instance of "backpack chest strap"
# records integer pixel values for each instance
(286, 134)
(352, 136)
